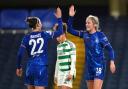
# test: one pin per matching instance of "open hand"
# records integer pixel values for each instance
(58, 13)
(19, 72)
(72, 11)
(112, 67)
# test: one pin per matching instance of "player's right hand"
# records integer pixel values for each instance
(19, 72)
(72, 10)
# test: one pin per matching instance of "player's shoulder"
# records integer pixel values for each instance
(46, 31)
(84, 31)
(100, 33)
(26, 36)
(102, 36)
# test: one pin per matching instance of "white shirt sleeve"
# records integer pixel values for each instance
(73, 59)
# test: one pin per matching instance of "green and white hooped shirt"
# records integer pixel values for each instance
(66, 57)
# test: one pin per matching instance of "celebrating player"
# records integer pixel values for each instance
(95, 42)
(35, 43)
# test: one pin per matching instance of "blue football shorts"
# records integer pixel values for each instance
(95, 72)
(36, 75)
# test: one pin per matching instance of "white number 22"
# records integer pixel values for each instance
(34, 43)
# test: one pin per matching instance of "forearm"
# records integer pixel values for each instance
(73, 64)
(20, 56)
(59, 31)
(111, 52)
(71, 29)
(56, 70)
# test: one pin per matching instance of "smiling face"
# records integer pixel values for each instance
(92, 23)
(89, 25)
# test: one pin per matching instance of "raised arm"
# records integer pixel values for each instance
(70, 21)
(59, 30)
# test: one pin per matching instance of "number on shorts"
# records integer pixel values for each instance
(98, 70)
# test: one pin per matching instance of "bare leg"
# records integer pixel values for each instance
(64, 87)
(39, 87)
(90, 84)
(31, 87)
(98, 84)
(59, 87)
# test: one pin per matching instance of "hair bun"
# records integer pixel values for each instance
(32, 21)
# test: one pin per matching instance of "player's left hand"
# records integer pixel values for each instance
(69, 77)
(112, 66)
(58, 13)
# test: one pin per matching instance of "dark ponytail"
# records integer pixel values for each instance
(32, 22)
